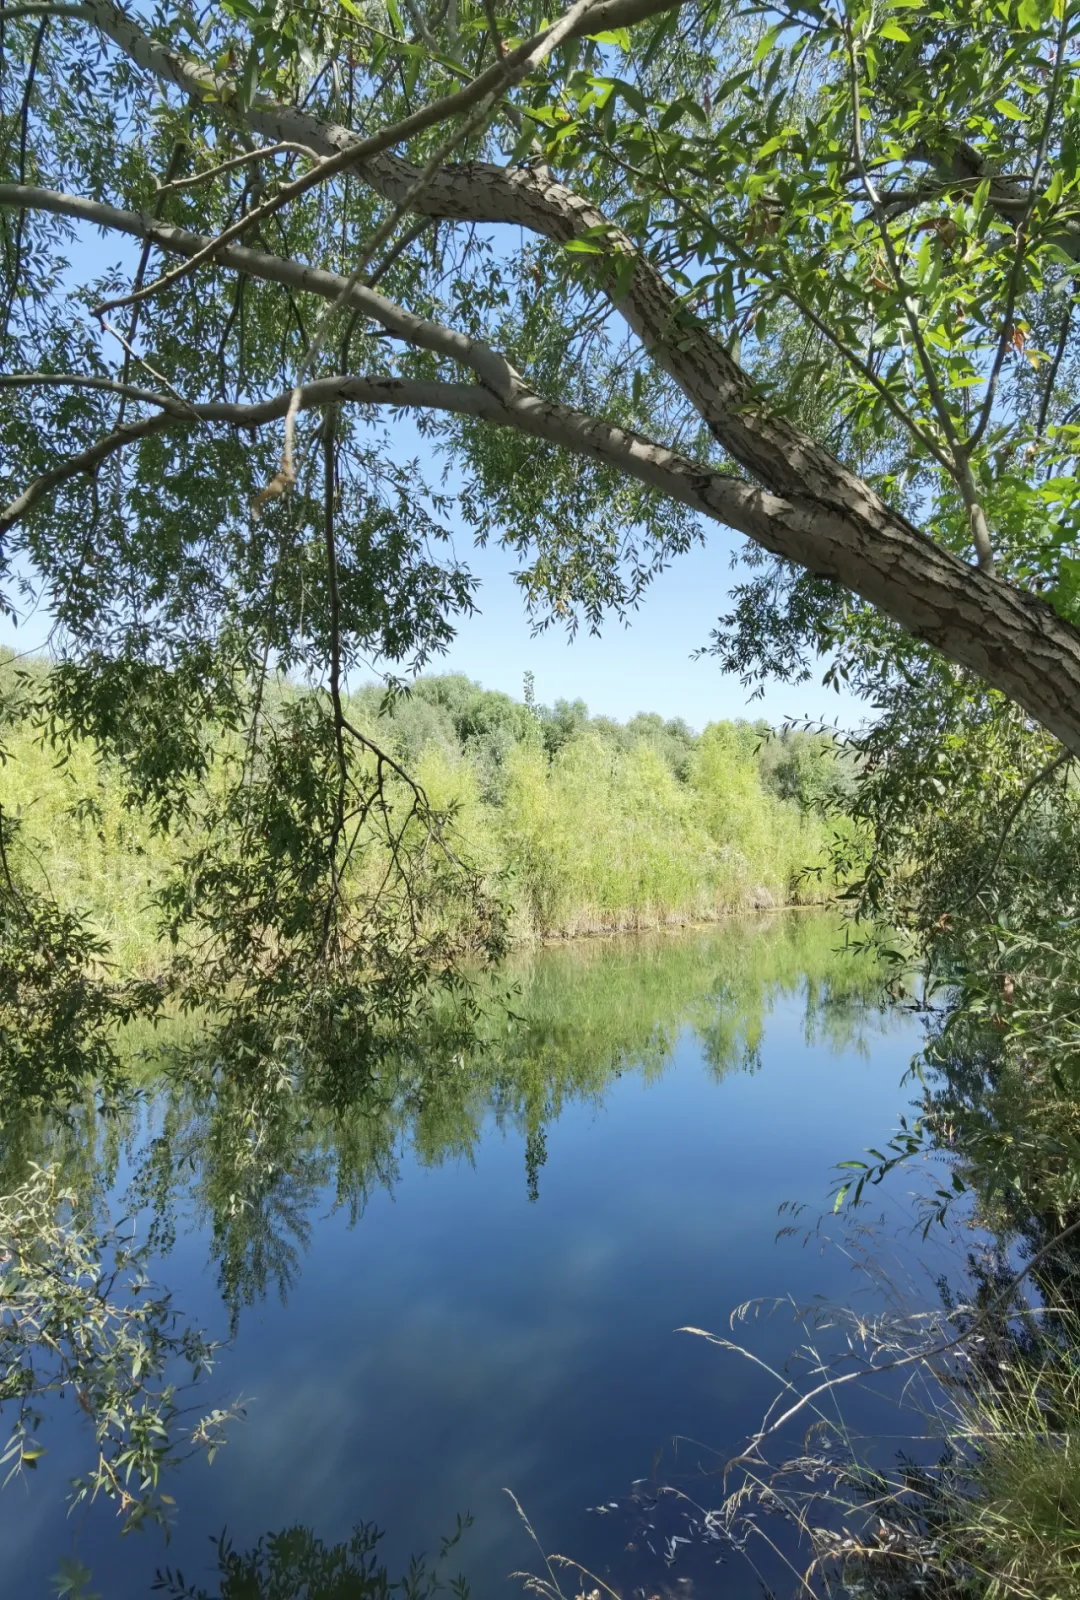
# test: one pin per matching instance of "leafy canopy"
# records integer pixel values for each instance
(235, 437)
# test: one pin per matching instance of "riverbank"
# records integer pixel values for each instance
(576, 825)
(675, 925)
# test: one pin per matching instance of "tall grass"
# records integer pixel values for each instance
(1020, 1527)
(582, 824)
(985, 1505)
(79, 841)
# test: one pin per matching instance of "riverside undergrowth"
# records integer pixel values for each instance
(577, 824)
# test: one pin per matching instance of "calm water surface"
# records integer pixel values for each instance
(435, 1302)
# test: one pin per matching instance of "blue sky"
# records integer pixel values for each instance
(647, 666)
(644, 667)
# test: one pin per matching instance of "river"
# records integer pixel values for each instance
(436, 1299)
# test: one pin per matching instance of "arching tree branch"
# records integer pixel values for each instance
(833, 525)
(490, 367)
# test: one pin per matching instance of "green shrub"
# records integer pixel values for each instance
(581, 823)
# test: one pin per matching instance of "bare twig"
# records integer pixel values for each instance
(141, 361)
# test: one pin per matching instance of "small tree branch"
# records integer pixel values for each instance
(328, 448)
(1005, 337)
(13, 889)
(1034, 782)
(484, 90)
(490, 367)
(866, 372)
(549, 41)
(76, 380)
(493, 25)
(175, 160)
(960, 468)
(1046, 398)
(24, 125)
(74, 12)
(245, 160)
(665, 470)
(416, 17)
(911, 315)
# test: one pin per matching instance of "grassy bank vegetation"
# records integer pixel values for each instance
(580, 824)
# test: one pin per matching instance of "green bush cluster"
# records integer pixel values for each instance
(580, 823)
(598, 825)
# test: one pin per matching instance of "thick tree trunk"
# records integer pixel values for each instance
(813, 511)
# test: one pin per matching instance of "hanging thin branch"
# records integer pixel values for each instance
(24, 127)
(328, 433)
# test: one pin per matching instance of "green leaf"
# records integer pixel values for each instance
(631, 94)
(765, 44)
(524, 143)
(624, 272)
(1010, 109)
(1065, 596)
(249, 81)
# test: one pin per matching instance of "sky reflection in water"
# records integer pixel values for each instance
(460, 1338)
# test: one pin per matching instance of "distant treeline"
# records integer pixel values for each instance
(582, 823)
(600, 825)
